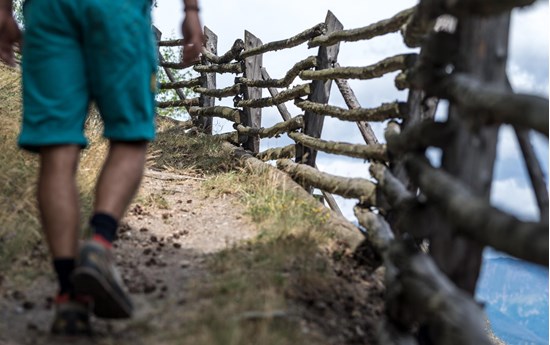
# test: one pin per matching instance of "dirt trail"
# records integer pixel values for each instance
(162, 245)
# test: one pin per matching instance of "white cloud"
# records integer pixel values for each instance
(518, 200)
(508, 147)
(526, 82)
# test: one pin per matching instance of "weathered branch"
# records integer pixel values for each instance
(352, 103)
(499, 106)
(231, 114)
(394, 191)
(381, 113)
(229, 91)
(223, 68)
(274, 92)
(378, 233)
(179, 84)
(302, 37)
(169, 73)
(401, 81)
(180, 103)
(284, 82)
(371, 152)
(391, 64)
(418, 25)
(417, 137)
(232, 54)
(172, 43)
(276, 130)
(342, 228)
(231, 137)
(329, 198)
(380, 28)
(423, 294)
(477, 219)
(288, 151)
(178, 65)
(287, 95)
(535, 172)
(358, 188)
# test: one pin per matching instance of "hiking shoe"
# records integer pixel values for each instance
(72, 317)
(97, 277)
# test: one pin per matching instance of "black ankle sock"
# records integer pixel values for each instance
(104, 225)
(64, 268)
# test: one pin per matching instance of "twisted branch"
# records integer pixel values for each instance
(391, 64)
(276, 130)
(179, 103)
(371, 152)
(302, 37)
(381, 113)
(287, 95)
(232, 54)
(230, 114)
(288, 151)
(358, 188)
(477, 219)
(380, 28)
(229, 91)
(223, 68)
(284, 82)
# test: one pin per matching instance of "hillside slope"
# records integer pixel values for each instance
(211, 253)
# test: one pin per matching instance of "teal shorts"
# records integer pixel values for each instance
(80, 51)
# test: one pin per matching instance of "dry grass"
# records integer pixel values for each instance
(254, 292)
(175, 149)
(20, 230)
(273, 289)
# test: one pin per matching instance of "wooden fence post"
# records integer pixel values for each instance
(169, 74)
(471, 154)
(320, 93)
(208, 80)
(253, 71)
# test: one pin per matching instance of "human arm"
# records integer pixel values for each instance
(9, 32)
(193, 38)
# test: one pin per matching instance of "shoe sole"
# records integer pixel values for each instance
(107, 303)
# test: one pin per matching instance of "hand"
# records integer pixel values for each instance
(9, 36)
(193, 38)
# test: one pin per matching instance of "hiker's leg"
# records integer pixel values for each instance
(120, 177)
(58, 198)
(96, 275)
(59, 208)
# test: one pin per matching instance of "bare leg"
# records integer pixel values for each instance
(58, 198)
(120, 177)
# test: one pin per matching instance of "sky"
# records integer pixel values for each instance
(274, 20)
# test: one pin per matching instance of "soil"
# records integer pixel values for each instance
(160, 248)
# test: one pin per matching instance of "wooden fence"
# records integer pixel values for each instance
(463, 56)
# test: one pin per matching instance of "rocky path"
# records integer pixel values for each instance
(162, 245)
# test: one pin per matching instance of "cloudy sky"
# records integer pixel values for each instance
(274, 20)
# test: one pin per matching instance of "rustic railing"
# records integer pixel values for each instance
(463, 55)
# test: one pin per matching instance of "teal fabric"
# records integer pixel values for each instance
(79, 51)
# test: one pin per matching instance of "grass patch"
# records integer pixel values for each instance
(246, 297)
(175, 149)
(19, 228)
(20, 231)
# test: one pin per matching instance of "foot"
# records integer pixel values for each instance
(72, 317)
(96, 276)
